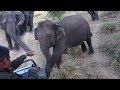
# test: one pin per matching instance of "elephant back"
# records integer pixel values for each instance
(71, 22)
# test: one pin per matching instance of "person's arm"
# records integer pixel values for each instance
(18, 61)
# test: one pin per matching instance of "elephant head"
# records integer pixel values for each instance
(49, 34)
(52, 32)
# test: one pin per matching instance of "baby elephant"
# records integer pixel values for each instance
(69, 32)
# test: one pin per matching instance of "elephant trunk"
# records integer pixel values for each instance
(46, 53)
(11, 30)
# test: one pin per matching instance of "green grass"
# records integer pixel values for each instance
(117, 36)
(56, 14)
(109, 27)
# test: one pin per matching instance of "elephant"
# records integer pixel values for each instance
(28, 21)
(94, 15)
(68, 32)
(11, 22)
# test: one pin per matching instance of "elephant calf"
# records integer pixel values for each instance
(69, 32)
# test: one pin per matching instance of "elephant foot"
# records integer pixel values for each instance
(65, 52)
(58, 63)
(58, 66)
(84, 50)
(91, 52)
(47, 75)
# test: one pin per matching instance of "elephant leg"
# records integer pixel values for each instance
(17, 47)
(46, 53)
(9, 41)
(23, 29)
(91, 51)
(57, 54)
(48, 69)
(83, 46)
(96, 15)
(93, 17)
(27, 23)
(31, 24)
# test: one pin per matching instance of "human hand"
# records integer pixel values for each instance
(30, 53)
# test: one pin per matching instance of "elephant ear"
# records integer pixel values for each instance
(60, 32)
(40, 24)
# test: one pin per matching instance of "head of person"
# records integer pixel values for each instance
(4, 57)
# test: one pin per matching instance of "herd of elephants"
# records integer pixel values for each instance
(68, 32)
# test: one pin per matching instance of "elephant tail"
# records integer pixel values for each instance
(91, 34)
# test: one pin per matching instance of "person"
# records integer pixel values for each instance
(7, 66)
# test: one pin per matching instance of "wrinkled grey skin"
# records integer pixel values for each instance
(28, 21)
(69, 32)
(11, 22)
(94, 15)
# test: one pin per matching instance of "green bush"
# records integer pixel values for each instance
(56, 14)
(109, 13)
(117, 36)
(109, 27)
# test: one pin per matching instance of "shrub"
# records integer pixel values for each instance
(117, 36)
(111, 47)
(56, 14)
(109, 27)
(109, 13)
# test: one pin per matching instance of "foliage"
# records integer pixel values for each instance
(109, 13)
(56, 14)
(109, 27)
(116, 36)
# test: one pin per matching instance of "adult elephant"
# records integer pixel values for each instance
(94, 15)
(28, 21)
(11, 22)
(69, 32)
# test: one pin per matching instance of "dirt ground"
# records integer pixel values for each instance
(85, 66)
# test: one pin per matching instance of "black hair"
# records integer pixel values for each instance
(4, 52)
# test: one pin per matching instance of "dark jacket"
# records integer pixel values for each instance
(9, 74)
